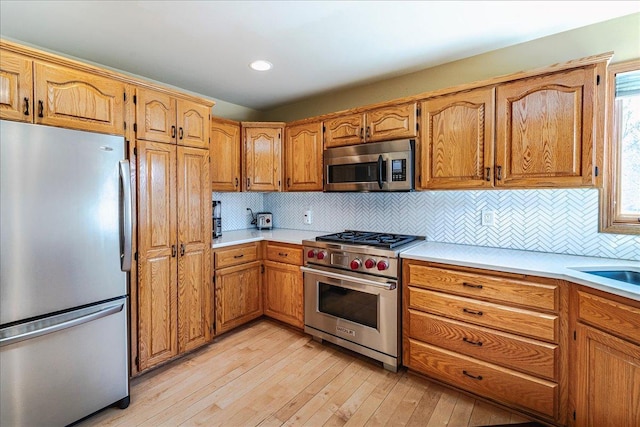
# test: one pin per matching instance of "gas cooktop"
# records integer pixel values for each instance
(368, 238)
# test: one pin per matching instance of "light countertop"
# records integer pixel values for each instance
(556, 266)
(283, 235)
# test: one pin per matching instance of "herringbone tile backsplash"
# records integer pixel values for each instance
(559, 221)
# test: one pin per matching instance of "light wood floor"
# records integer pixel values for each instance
(269, 375)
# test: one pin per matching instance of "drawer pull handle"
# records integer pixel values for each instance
(283, 254)
(238, 256)
(468, 341)
(477, 313)
(471, 285)
(479, 377)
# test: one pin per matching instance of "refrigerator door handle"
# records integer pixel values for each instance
(126, 227)
(33, 332)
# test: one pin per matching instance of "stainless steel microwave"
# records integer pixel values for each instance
(377, 166)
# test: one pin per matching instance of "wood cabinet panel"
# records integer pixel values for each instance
(608, 380)
(193, 124)
(545, 130)
(262, 158)
(235, 255)
(16, 87)
(238, 295)
(284, 299)
(288, 254)
(74, 99)
(457, 145)
(157, 264)
(303, 157)
(536, 295)
(617, 318)
(485, 379)
(525, 355)
(225, 155)
(395, 122)
(155, 116)
(194, 239)
(510, 319)
(344, 130)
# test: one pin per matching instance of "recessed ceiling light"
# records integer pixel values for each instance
(261, 65)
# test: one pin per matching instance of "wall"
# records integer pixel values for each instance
(621, 35)
(557, 221)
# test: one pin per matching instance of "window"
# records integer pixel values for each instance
(621, 197)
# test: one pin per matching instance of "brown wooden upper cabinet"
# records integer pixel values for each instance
(224, 151)
(16, 87)
(457, 146)
(262, 158)
(161, 117)
(546, 132)
(47, 94)
(303, 157)
(380, 124)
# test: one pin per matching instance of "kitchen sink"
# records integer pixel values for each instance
(627, 276)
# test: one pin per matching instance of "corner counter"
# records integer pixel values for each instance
(282, 235)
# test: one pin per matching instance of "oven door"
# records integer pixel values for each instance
(353, 307)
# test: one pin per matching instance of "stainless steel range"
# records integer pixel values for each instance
(352, 291)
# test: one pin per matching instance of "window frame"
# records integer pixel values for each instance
(611, 221)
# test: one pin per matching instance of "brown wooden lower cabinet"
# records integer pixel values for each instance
(461, 327)
(283, 286)
(606, 387)
(238, 294)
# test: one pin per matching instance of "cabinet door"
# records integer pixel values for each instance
(388, 123)
(195, 322)
(344, 130)
(155, 116)
(303, 157)
(608, 383)
(225, 155)
(238, 295)
(262, 159)
(283, 295)
(74, 99)
(457, 144)
(193, 124)
(16, 87)
(157, 264)
(546, 130)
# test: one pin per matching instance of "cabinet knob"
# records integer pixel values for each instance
(173, 251)
(173, 131)
(40, 109)
(499, 173)
(488, 178)
(182, 249)
(180, 133)
(26, 106)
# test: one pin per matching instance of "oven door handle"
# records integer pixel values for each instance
(389, 286)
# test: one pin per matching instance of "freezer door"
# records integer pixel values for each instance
(57, 370)
(60, 219)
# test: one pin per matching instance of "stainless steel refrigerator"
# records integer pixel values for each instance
(65, 225)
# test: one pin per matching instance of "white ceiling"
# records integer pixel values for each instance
(315, 46)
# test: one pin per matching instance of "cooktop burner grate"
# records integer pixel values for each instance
(381, 240)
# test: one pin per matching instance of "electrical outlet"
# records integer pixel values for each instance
(488, 218)
(308, 218)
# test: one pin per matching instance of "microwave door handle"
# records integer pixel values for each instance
(380, 171)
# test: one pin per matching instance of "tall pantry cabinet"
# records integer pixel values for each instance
(174, 227)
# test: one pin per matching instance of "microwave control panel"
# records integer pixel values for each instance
(399, 169)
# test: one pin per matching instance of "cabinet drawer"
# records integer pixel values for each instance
(485, 379)
(520, 321)
(235, 255)
(498, 289)
(526, 355)
(289, 254)
(620, 319)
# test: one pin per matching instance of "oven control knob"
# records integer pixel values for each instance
(355, 264)
(370, 263)
(383, 265)
(311, 253)
(321, 255)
